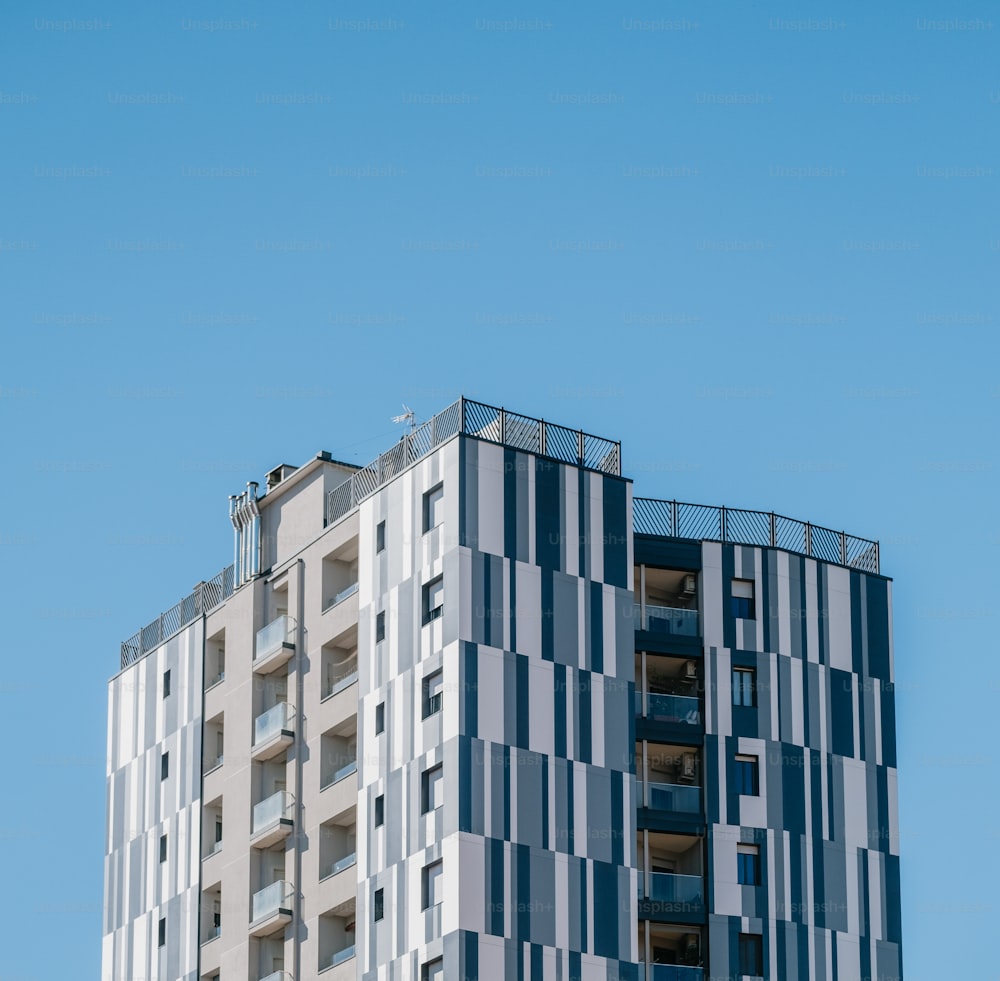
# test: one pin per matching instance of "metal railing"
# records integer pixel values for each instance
(486, 422)
(675, 519)
(206, 597)
(667, 620)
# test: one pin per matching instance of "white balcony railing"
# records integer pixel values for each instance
(270, 899)
(344, 954)
(272, 809)
(277, 633)
(268, 724)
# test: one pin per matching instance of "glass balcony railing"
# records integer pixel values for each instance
(347, 676)
(271, 810)
(271, 722)
(270, 899)
(668, 620)
(683, 798)
(345, 771)
(672, 887)
(344, 954)
(668, 708)
(271, 637)
(343, 594)
(342, 863)
(674, 972)
(278, 976)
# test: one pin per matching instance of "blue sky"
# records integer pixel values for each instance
(757, 243)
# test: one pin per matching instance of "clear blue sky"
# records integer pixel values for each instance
(758, 243)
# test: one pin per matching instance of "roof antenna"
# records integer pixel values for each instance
(407, 416)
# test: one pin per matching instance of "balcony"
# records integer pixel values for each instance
(344, 954)
(668, 708)
(273, 820)
(682, 798)
(339, 865)
(275, 645)
(273, 732)
(672, 620)
(673, 972)
(278, 976)
(673, 888)
(345, 771)
(346, 593)
(271, 909)
(340, 676)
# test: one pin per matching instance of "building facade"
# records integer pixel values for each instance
(474, 712)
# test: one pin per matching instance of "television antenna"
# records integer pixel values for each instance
(407, 416)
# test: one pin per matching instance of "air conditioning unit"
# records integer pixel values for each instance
(689, 766)
(688, 586)
(691, 670)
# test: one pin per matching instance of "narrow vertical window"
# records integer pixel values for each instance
(379, 718)
(380, 626)
(163, 848)
(166, 683)
(380, 537)
(379, 904)
(742, 599)
(433, 507)
(164, 766)
(379, 810)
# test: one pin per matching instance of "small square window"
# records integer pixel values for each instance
(747, 776)
(379, 718)
(380, 537)
(379, 905)
(433, 507)
(742, 599)
(433, 599)
(161, 936)
(433, 884)
(379, 810)
(163, 848)
(164, 766)
(748, 865)
(166, 683)
(744, 686)
(433, 970)
(751, 957)
(431, 789)
(433, 689)
(379, 626)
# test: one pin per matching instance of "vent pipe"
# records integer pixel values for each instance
(244, 514)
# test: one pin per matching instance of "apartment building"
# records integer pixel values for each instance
(475, 712)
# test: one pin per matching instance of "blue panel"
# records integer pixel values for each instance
(522, 892)
(465, 787)
(510, 477)
(893, 926)
(616, 571)
(617, 809)
(545, 801)
(878, 628)
(842, 712)
(487, 597)
(471, 682)
(596, 627)
(606, 910)
(470, 954)
(793, 789)
(523, 704)
(547, 614)
(506, 792)
(857, 648)
(584, 710)
(548, 529)
(559, 696)
(512, 614)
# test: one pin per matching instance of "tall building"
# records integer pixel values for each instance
(474, 712)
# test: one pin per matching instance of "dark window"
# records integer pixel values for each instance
(433, 599)
(380, 537)
(742, 599)
(379, 718)
(433, 884)
(379, 626)
(433, 686)
(433, 970)
(166, 683)
(379, 810)
(747, 776)
(433, 507)
(161, 938)
(163, 848)
(751, 955)
(164, 766)
(748, 865)
(744, 686)
(431, 789)
(379, 910)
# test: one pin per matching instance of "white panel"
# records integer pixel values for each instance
(784, 621)
(529, 605)
(614, 660)
(893, 804)
(562, 900)
(572, 504)
(876, 924)
(491, 479)
(853, 911)
(490, 696)
(798, 703)
(728, 893)
(596, 719)
(595, 547)
(541, 708)
(848, 956)
(581, 624)
(855, 804)
(711, 593)
(812, 613)
(580, 817)
(839, 602)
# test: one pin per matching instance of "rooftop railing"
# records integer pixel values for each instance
(206, 596)
(675, 519)
(486, 422)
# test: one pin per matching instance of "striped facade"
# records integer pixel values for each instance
(516, 741)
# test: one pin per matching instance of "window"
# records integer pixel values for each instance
(433, 688)
(431, 789)
(379, 718)
(379, 905)
(161, 938)
(433, 970)
(164, 766)
(380, 537)
(748, 865)
(379, 626)
(742, 601)
(747, 777)
(751, 955)
(433, 884)
(379, 810)
(163, 848)
(166, 683)
(744, 686)
(433, 599)
(433, 507)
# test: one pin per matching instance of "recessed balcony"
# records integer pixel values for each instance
(668, 708)
(275, 645)
(342, 773)
(278, 976)
(339, 865)
(338, 598)
(672, 620)
(271, 909)
(273, 732)
(273, 820)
